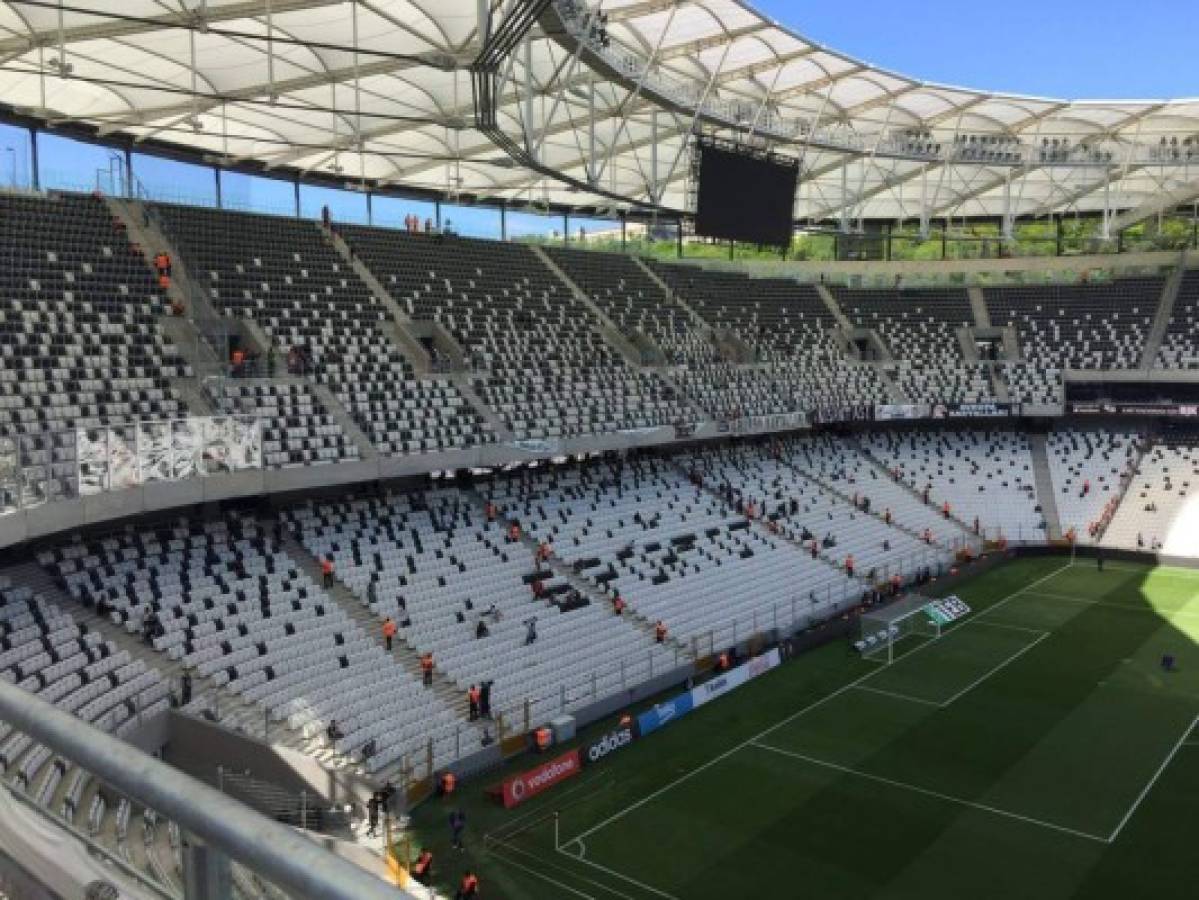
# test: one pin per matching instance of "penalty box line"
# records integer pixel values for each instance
(786, 720)
(927, 792)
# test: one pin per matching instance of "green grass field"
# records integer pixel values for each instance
(1036, 750)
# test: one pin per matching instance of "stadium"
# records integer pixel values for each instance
(548, 449)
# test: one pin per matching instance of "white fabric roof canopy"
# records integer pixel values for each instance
(380, 90)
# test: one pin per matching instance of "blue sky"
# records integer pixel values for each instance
(1073, 49)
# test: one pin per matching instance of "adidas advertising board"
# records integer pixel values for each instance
(606, 745)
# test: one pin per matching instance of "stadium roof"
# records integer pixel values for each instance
(593, 105)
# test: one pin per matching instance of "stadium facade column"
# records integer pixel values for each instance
(624, 222)
(34, 175)
(887, 246)
(216, 176)
(370, 209)
(296, 185)
(129, 191)
(679, 237)
(565, 228)
(437, 213)
(503, 219)
(945, 239)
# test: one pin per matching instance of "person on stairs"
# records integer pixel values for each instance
(426, 668)
(660, 632)
(389, 632)
(473, 696)
(327, 571)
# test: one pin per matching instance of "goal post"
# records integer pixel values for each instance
(883, 630)
(916, 618)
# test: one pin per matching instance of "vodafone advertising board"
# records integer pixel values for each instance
(527, 785)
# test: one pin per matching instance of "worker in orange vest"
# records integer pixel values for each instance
(389, 632)
(722, 661)
(660, 631)
(945, 509)
(426, 668)
(448, 783)
(469, 887)
(849, 565)
(423, 867)
(618, 604)
(162, 263)
(473, 695)
(327, 571)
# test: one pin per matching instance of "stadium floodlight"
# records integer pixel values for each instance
(918, 619)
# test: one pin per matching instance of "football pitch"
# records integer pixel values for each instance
(1036, 750)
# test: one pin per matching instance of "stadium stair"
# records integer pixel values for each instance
(1140, 451)
(464, 382)
(978, 305)
(230, 709)
(698, 322)
(757, 525)
(1046, 495)
(834, 307)
(605, 326)
(443, 687)
(366, 450)
(846, 498)
(998, 385)
(1165, 310)
(559, 567)
(874, 461)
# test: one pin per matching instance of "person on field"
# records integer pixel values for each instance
(469, 887)
(422, 869)
(473, 696)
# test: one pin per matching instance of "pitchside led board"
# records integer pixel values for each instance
(745, 196)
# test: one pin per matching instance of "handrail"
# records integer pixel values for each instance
(279, 854)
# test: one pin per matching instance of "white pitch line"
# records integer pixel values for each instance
(512, 848)
(1004, 625)
(948, 798)
(687, 776)
(897, 696)
(1152, 781)
(620, 875)
(1003, 665)
(1107, 604)
(537, 874)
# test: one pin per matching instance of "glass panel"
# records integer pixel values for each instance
(535, 228)
(174, 182)
(16, 168)
(344, 206)
(471, 221)
(71, 165)
(255, 194)
(390, 212)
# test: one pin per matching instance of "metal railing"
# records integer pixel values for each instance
(226, 828)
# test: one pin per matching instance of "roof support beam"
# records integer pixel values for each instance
(114, 27)
(1159, 203)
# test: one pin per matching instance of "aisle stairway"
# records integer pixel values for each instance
(1044, 482)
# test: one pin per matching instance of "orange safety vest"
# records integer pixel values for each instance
(618, 604)
(849, 561)
(327, 566)
(421, 866)
(426, 663)
(389, 628)
(723, 662)
(239, 357)
(542, 736)
(448, 783)
(474, 694)
(470, 884)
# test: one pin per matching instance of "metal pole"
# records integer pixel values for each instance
(277, 853)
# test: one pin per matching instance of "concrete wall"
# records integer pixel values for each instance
(197, 747)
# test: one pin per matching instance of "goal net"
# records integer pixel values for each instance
(884, 630)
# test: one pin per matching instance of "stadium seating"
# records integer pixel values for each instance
(1159, 510)
(1087, 468)
(1179, 348)
(625, 294)
(673, 550)
(765, 478)
(1077, 326)
(920, 327)
(231, 605)
(540, 362)
(282, 274)
(297, 430)
(434, 564)
(982, 475)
